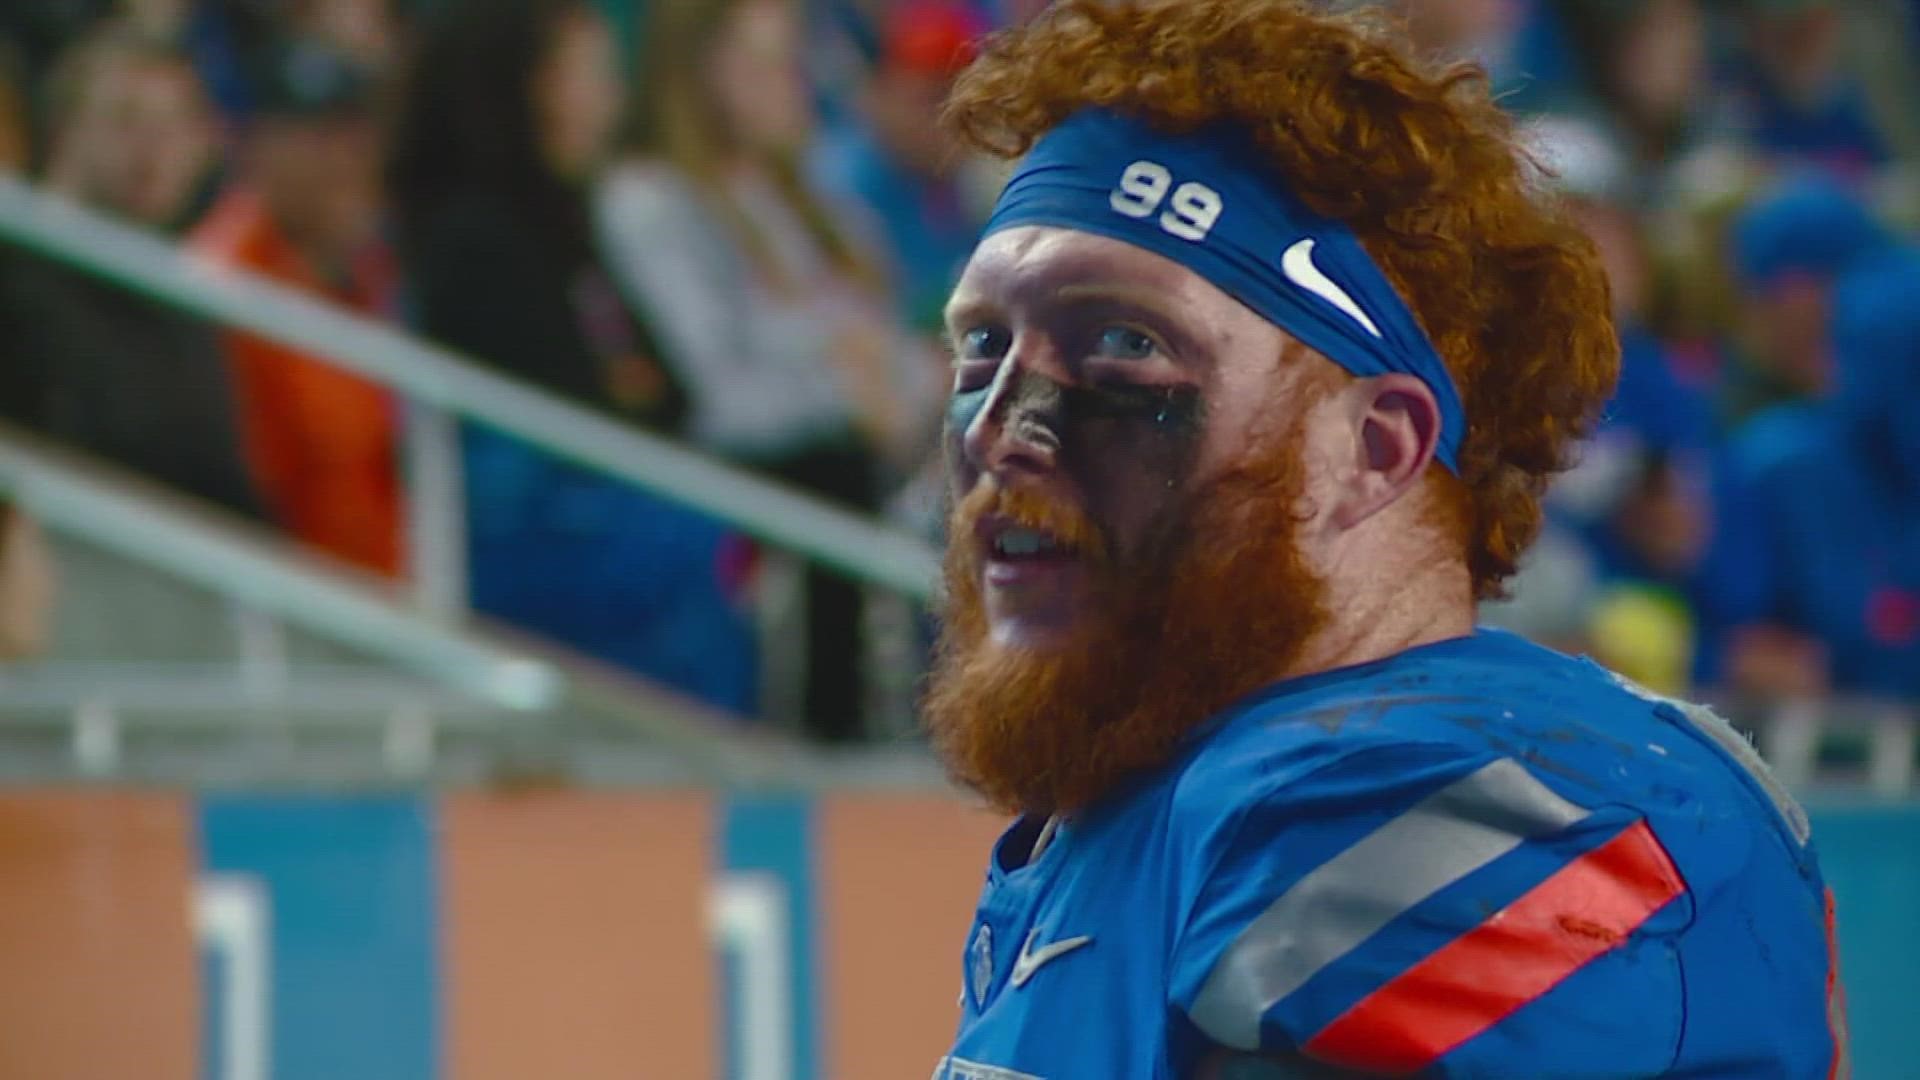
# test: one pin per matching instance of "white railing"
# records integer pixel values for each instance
(95, 709)
(1791, 735)
(439, 384)
(142, 527)
(452, 703)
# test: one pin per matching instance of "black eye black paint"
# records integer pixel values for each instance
(1174, 409)
(1126, 450)
(1115, 409)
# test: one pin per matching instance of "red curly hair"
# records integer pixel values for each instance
(1415, 158)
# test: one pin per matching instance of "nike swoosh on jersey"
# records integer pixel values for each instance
(1030, 961)
(1297, 263)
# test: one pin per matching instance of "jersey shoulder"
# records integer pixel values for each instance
(1351, 844)
(1444, 704)
(1582, 731)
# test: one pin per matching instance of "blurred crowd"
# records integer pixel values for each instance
(734, 222)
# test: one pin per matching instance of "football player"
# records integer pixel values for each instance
(1270, 348)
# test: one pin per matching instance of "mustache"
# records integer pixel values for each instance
(1028, 510)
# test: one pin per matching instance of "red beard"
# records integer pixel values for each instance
(1214, 614)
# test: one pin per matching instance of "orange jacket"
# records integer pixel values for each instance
(323, 444)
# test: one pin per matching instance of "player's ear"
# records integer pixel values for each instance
(1399, 428)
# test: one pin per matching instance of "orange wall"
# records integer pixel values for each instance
(573, 934)
(898, 879)
(575, 937)
(98, 970)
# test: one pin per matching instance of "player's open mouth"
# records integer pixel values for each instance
(1027, 544)
(1017, 553)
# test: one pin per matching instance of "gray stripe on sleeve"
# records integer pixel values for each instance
(1439, 840)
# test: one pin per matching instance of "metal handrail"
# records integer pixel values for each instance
(1792, 733)
(205, 691)
(443, 379)
(149, 528)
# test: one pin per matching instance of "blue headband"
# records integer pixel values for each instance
(1206, 201)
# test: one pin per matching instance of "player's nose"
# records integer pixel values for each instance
(1018, 428)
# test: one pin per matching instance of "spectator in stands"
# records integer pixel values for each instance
(1799, 103)
(1642, 68)
(225, 37)
(1789, 245)
(304, 211)
(502, 131)
(764, 304)
(129, 129)
(896, 159)
(510, 107)
(221, 37)
(91, 364)
(1800, 244)
(1826, 511)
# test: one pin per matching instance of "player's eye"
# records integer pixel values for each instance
(982, 343)
(1124, 343)
(976, 354)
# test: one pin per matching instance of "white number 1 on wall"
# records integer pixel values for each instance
(231, 916)
(748, 920)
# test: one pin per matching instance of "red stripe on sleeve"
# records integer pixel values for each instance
(1585, 909)
(1842, 1066)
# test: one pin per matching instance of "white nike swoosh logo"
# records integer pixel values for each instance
(1297, 263)
(1030, 961)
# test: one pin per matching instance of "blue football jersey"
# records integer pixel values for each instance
(1479, 858)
